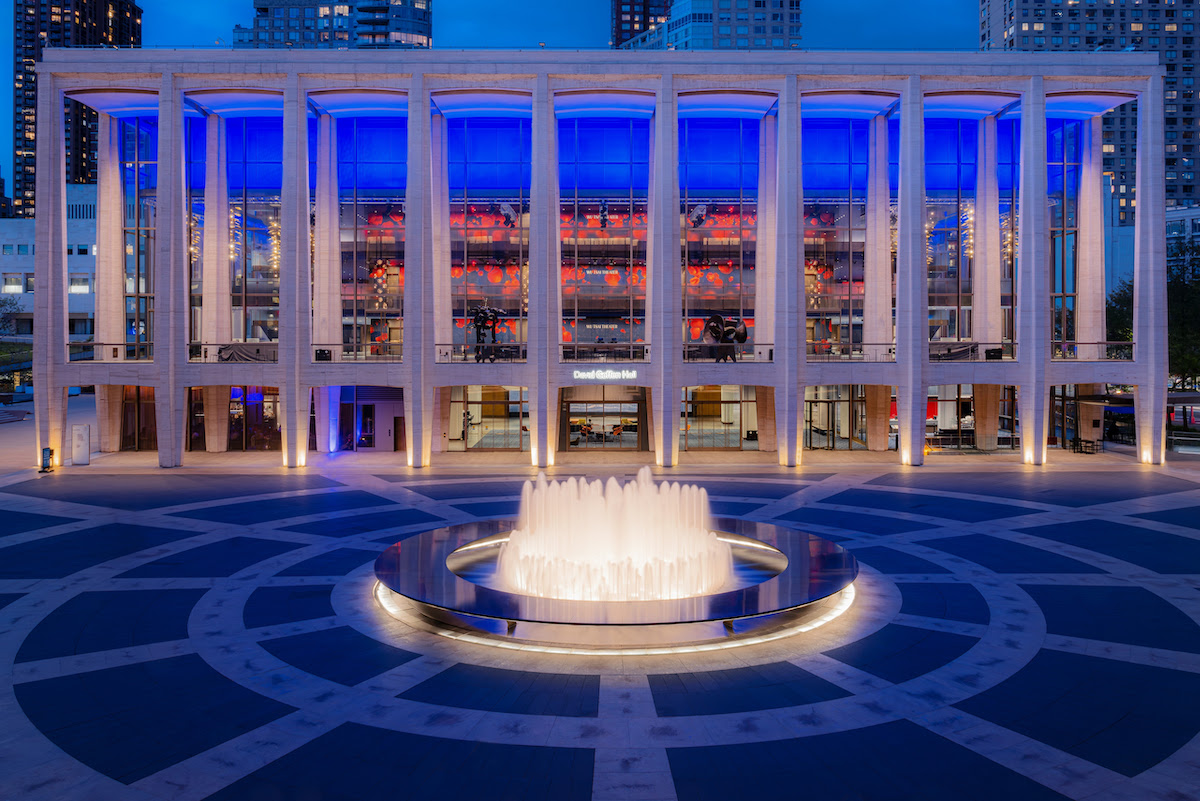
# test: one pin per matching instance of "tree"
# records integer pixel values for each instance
(9, 307)
(1183, 315)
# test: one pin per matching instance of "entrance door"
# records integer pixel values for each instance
(603, 418)
(399, 444)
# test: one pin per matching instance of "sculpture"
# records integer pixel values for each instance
(722, 334)
(484, 318)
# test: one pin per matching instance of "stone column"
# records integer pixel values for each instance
(327, 408)
(764, 400)
(878, 334)
(295, 279)
(108, 416)
(1150, 280)
(216, 418)
(169, 269)
(1089, 271)
(217, 316)
(327, 270)
(109, 315)
(790, 357)
(988, 322)
(986, 404)
(543, 231)
(664, 287)
(1033, 276)
(912, 296)
(765, 269)
(50, 274)
(879, 416)
(439, 189)
(418, 273)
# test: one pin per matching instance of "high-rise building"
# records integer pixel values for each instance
(38, 24)
(723, 25)
(354, 23)
(631, 18)
(1166, 27)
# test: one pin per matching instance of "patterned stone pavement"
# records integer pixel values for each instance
(1017, 633)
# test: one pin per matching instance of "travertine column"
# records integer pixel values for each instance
(50, 274)
(664, 285)
(1150, 280)
(988, 322)
(418, 275)
(543, 231)
(295, 280)
(110, 246)
(877, 258)
(108, 416)
(912, 297)
(217, 316)
(1033, 276)
(789, 279)
(169, 333)
(764, 246)
(439, 192)
(1089, 270)
(216, 418)
(986, 405)
(879, 416)
(327, 270)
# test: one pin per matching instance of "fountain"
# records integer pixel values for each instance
(605, 567)
(596, 541)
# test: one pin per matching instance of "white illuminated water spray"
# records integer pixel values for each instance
(599, 541)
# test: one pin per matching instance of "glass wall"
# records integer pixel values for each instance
(372, 166)
(488, 418)
(604, 167)
(139, 185)
(195, 142)
(718, 186)
(835, 222)
(1062, 182)
(255, 171)
(489, 171)
(719, 418)
(950, 160)
(1008, 165)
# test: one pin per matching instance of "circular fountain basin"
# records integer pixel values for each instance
(779, 576)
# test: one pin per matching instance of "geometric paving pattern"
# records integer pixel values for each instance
(1017, 634)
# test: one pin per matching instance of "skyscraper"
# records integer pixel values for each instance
(724, 25)
(631, 18)
(38, 24)
(323, 23)
(1166, 27)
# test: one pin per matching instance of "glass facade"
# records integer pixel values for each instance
(255, 172)
(1008, 173)
(951, 148)
(372, 166)
(604, 167)
(139, 186)
(195, 144)
(1063, 166)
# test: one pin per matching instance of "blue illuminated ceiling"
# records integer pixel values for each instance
(604, 103)
(119, 102)
(360, 102)
(845, 105)
(967, 105)
(483, 103)
(729, 104)
(238, 102)
(1084, 105)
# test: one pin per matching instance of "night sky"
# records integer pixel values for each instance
(828, 24)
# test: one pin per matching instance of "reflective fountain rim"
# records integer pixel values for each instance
(416, 568)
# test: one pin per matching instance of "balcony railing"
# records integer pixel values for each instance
(1092, 351)
(458, 353)
(972, 351)
(111, 352)
(358, 352)
(851, 352)
(605, 352)
(729, 353)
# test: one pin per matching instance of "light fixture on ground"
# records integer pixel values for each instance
(638, 566)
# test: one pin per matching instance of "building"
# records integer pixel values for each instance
(38, 24)
(354, 23)
(410, 252)
(630, 18)
(724, 25)
(5, 201)
(1164, 27)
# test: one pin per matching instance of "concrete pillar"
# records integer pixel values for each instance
(169, 269)
(1089, 417)
(216, 418)
(1033, 277)
(790, 358)
(108, 416)
(879, 416)
(439, 192)
(50, 275)
(664, 288)
(109, 314)
(1150, 280)
(764, 400)
(327, 267)
(986, 405)
(765, 268)
(1090, 328)
(418, 274)
(327, 408)
(295, 279)
(988, 319)
(912, 297)
(216, 321)
(878, 334)
(543, 272)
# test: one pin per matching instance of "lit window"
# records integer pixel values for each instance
(13, 284)
(79, 285)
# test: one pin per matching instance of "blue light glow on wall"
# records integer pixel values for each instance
(835, 158)
(372, 156)
(488, 157)
(718, 158)
(603, 157)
